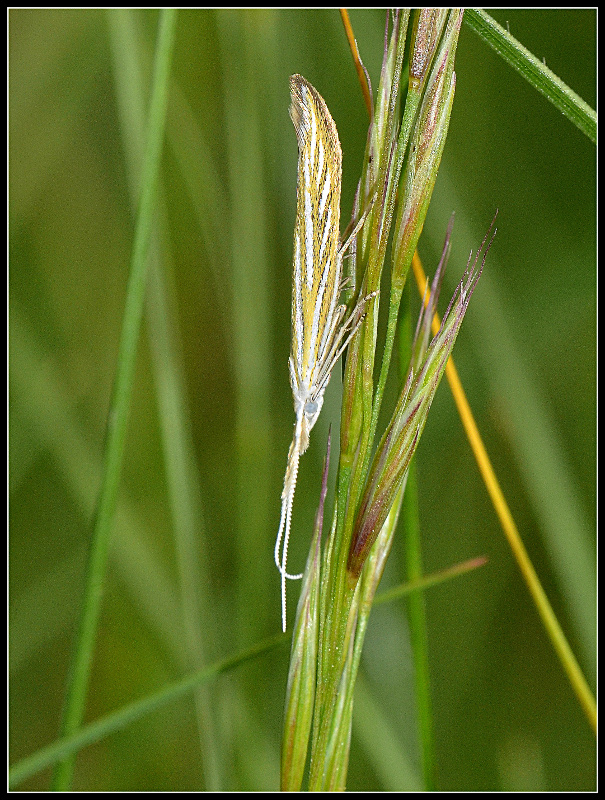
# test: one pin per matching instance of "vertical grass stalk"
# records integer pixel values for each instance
(79, 672)
(405, 142)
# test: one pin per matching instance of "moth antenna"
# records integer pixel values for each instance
(286, 515)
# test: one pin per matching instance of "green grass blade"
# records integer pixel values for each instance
(120, 404)
(247, 256)
(95, 731)
(534, 71)
(36, 384)
(418, 628)
(182, 477)
(410, 527)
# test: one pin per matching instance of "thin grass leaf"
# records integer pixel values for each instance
(182, 475)
(120, 403)
(418, 629)
(410, 523)
(67, 746)
(536, 73)
(118, 720)
(248, 264)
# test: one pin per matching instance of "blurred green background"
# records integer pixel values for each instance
(505, 717)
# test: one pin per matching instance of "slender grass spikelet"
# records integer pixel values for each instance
(401, 437)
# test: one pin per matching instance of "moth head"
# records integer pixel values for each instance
(311, 410)
(307, 410)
